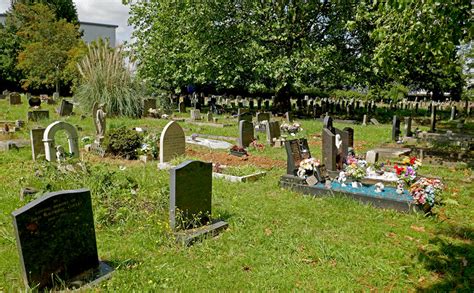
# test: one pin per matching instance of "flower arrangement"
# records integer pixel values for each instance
(356, 171)
(149, 146)
(291, 128)
(408, 172)
(424, 191)
(307, 167)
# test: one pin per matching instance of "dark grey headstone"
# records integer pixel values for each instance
(407, 127)
(296, 151)
(190, 194)
(182, 107)
(34, 102)
(350, 136)
(245, 116)
(327, 123)
(329, 152)
(245, 133)
(55, 236)
(272, 131)
(65, 108)
(395, 128)
(289, 117)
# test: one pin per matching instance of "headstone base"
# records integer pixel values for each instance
(188, 237)
(91, 278)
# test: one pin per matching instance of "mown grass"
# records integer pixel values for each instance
(276, 240)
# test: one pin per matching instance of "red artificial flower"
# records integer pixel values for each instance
(412, 160)
(398, 170)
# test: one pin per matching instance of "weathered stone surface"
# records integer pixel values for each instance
(65, 108)
(37, 145)
(265, 116)
(273, 131)
(172, 142)
(14, 98)
(395, 128)
(372, 157)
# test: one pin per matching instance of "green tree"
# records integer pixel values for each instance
(9, 49)
(48, 46)
(62, 8)
(278, 46)
(416, 43)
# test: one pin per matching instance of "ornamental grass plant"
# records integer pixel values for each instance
(105, 78)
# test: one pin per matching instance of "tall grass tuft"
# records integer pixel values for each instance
(104, 78)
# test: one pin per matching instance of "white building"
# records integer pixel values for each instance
(91, 31)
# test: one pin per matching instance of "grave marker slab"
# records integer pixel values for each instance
(296, 151)
(172, 142)
(191, 201)
(37, 145)
(55, 235)
(245, 133)
(65, 108)
(14, 98)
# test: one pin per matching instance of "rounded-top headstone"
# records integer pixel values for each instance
(172, 142)
(34, 102)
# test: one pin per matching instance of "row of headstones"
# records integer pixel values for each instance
(56, 238)
(396, 131)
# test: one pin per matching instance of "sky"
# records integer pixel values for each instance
(101, 11)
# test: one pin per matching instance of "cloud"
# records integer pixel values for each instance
(100, 11)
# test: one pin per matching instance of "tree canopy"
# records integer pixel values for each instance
(63, 9)
(39, 50)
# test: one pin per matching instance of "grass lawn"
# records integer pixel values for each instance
(276, 240)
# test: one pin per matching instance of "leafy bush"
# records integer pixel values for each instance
(106, 79)
(123, 142)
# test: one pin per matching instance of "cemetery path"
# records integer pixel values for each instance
(226, 159)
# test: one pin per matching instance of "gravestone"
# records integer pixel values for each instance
(296, 151)
(34, 102)
(266, 103)
(246, 116)
(65, 108)
(182, 107)
(195, 114)
(37, 145)
(273, 131)
(350, 136)
(371, 157)
(49, 143)
(36, 115)
(265, 116)
(364, 120)
(453, 113)
(395, 128)
(407, 126)
(374, 121)
(251, 104)
(56, 240)
(289, 117)
(191, 201)
(245, 133)
(259, 103)
(209, 117)
(433, 119)
(14, 98)
(329, 149)
(172, 142)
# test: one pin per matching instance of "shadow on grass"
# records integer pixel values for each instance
(452, 259)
